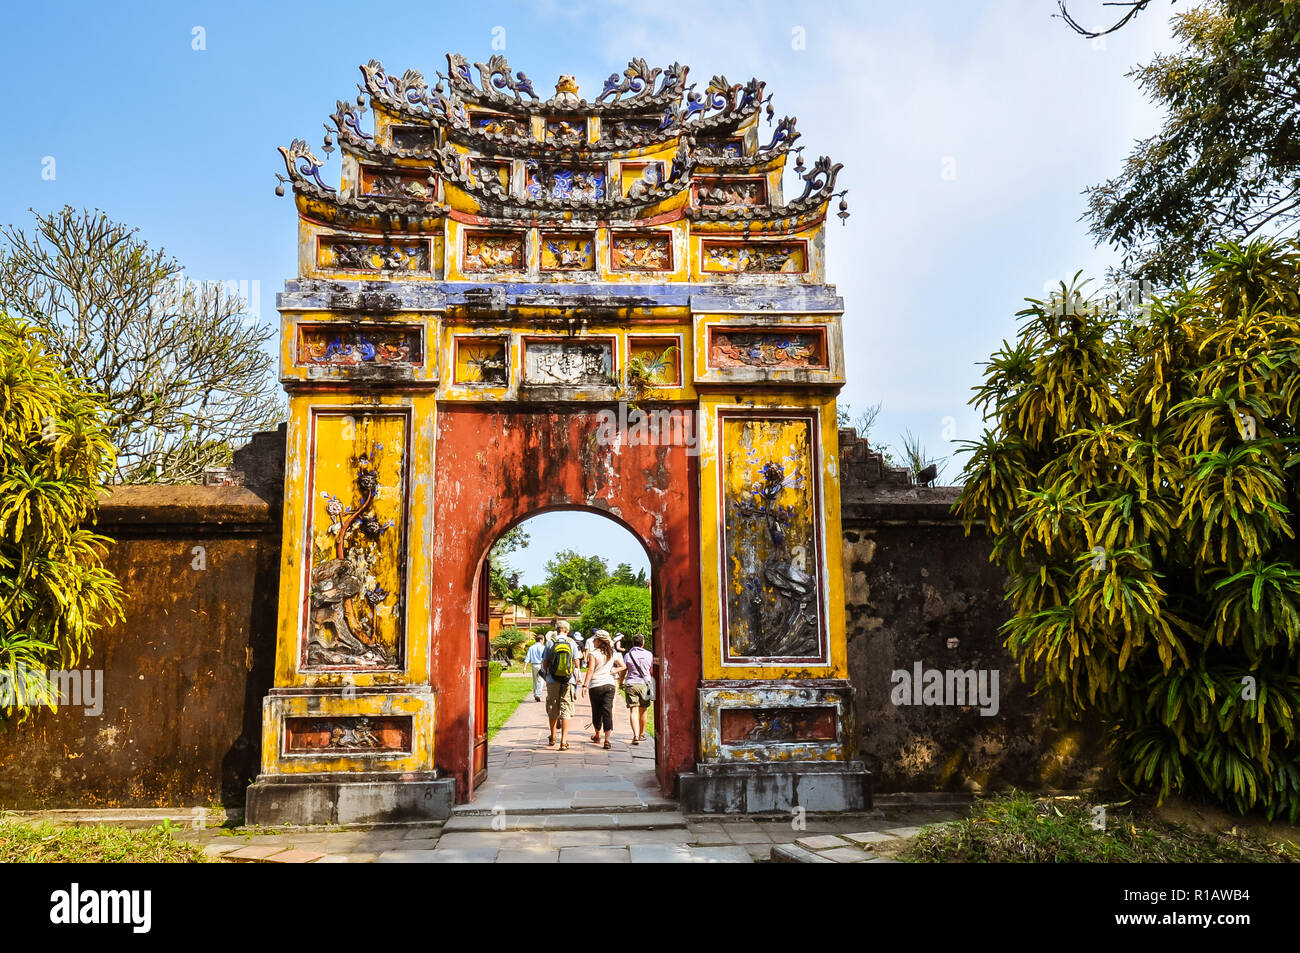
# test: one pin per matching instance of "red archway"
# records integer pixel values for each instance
(494, 469)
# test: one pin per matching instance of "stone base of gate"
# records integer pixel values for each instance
(752, 788)
(375, 798)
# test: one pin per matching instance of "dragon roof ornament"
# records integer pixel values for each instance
(410, 95)
(564, 177)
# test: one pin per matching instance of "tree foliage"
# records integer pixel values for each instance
(1226, 164)
(180, 364)
(501, 576)
(572, 578)
(624, 609)
(1138, 476)
(54, 454)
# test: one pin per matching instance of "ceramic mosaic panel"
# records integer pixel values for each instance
(565, 182)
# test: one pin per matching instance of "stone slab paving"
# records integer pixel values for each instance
(584, 805)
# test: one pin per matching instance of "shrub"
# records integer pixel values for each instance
(513, 641)
(1139, 481)
(54, 456)
(616, 609)
(494, 670)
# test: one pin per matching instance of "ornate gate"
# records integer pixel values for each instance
(511, 305)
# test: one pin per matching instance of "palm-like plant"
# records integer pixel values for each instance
(1139, 479)
(54, 456)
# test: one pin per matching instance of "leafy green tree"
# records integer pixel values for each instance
(623, 609)
(180, 365)
(623, 575)
(1139, 479)
(1226, 164)
(569, 570)
(572, 601)
(55, 453)
(499, 569)
(642, 579)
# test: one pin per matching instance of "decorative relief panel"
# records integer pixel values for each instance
(489, 170)
(772, 349)
(564, 182)
(722, 147)
(755, 258)
(395, 183)
(569, 363)
(493, 251)
(498, 124)
(771, 553)
(482, 361)
(648, 252)
(374, 255)
(660, 358)
(566, 132)
(411, 137)
(347, 735)
(356, 540)
(715, 192)
(630, 126)
(777, 725)
(563, 251)
(638, 178)
(353, 345)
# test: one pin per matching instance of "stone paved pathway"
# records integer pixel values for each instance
(527, 776)
(584, 805)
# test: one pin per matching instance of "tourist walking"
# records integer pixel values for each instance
(558, 668)
(638, 685)
(533, 658)
(604, 668)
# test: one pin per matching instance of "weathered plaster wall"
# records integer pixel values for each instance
(183, 674)
(496, 468)
(917, 589)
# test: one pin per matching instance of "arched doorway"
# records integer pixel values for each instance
(596, 545)
(497, 467)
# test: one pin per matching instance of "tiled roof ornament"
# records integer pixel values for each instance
(566, 91)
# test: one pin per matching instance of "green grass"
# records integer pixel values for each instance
(504, 696)
(1019, 828)
(93, 844)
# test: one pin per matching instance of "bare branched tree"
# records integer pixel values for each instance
(180, 363)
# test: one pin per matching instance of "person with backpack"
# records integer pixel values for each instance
(638, 685)
(558, 665)
(604, 668)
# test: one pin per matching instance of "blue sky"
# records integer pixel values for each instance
(1019, 113)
